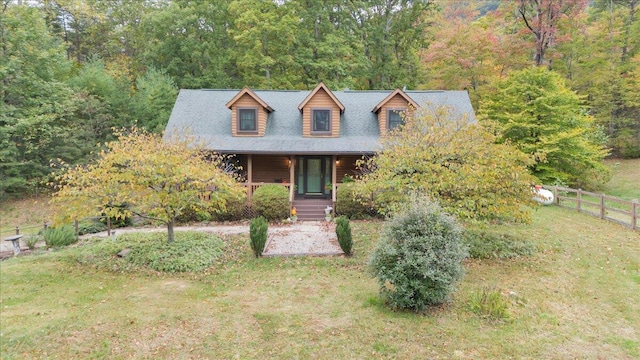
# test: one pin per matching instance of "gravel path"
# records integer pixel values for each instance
(301, 238)
(297, 239)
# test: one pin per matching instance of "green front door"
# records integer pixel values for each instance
(313, 172)
(314, 176)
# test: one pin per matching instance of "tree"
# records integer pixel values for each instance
(36, 108)
(154, 98)
(444, 155)
(534, 110)
(542, 17)
(142, 174)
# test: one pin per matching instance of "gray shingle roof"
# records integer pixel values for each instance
(203, 114)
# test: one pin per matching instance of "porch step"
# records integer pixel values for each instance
(311, 209)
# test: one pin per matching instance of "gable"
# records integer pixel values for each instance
(249, 114)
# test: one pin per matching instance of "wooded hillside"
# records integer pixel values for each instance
(71, 70)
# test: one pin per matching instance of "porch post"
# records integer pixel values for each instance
(292, 178)
(249, 177)
(334, 179)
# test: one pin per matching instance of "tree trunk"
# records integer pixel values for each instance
(170, 230)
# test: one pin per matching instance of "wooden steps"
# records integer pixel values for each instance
(311, 209)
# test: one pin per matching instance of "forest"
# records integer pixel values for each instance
(72, 71)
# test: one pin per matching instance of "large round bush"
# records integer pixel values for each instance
(418, 260)
(271, 201)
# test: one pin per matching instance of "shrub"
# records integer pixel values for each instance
(258, 235)
(190, 215)
(343, 231)
(190, 252)
(418, 260)
(91, 227)
(349, 205)
(490, 304)
(235, 210)
(484, 244)
(32, 240)
(62, 236)
(271, 201)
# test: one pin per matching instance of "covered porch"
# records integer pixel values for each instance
(307, 177)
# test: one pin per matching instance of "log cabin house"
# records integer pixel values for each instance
(307, 141)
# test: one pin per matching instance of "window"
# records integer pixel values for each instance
(321, 119)
(247, 120)
(394, 118)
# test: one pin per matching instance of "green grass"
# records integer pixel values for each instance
(624, 183)
(576, 297)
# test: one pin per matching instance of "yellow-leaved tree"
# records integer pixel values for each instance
(450, 159)
(142, 174)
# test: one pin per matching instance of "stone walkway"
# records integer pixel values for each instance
(298, 239)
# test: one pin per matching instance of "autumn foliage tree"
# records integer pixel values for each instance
(453, 160)
(535, 111)
(155, 178)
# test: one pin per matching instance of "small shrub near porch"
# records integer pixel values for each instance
(271, 201)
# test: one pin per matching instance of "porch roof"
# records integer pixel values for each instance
(203, 114)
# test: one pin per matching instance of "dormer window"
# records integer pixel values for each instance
(321, 120)
(247, 120)
(394, 117)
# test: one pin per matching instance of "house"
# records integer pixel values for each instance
(307, 141)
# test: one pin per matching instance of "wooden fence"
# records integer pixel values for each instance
(605, 207)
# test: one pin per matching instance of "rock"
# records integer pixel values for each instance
(124, 252)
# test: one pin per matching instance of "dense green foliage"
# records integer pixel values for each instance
(486, 244)
(443, 155)
(418, 258)
(191, 252)
(343, 232)
(536, 112)
(258, 235)
(60, 236)
(271, 201)
(350, 204)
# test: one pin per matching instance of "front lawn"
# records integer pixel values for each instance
(577, 296)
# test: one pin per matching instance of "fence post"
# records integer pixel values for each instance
(17, 230)
(555, 194)
(75, 226)
(579, 198)
(634, 214)
(108, 225)
(602, 212)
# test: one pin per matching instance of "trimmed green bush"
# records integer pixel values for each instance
(271, 201)
(62, 236)
(190, 252)
(347, 204)
(418, 259)
(258, 235)
(485, 244)
(343, 231)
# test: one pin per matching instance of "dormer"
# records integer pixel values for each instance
(390, 110)
(321, 112)
(248, 114)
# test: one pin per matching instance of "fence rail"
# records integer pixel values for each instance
(623, 212)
